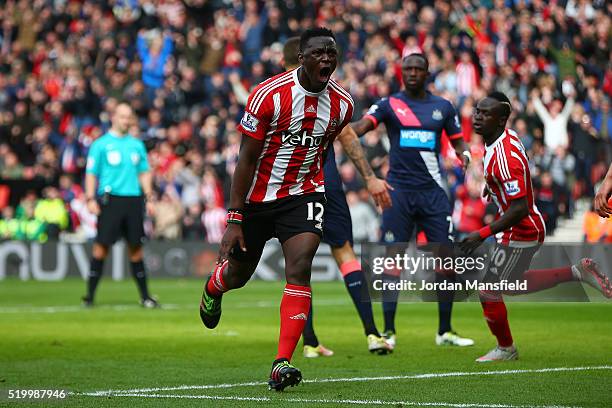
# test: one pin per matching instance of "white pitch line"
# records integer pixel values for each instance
(165, 306)
(360, 379)
(74, 308)
(330, 401)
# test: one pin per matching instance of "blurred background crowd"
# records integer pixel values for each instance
(187, 66)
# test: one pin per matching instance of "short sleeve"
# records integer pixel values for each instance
(348, 114)
(256, 119)
(378, 112)
(93, 159)
(513, 176)
(452, 124)
(143, 163)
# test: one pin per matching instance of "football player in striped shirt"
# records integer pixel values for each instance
(338, 233)
(519, 228)
(278, 189)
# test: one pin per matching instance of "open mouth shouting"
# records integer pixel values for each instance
(324, 74)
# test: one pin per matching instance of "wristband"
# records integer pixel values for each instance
(467, 154)
(485, 232)
(234, 216)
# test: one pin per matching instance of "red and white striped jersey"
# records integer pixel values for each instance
(506, 170)
(296, 126)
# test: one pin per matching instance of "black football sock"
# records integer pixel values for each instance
(390, 302)
(445, 310)
(310, 338)
(95, 273)
(357, 288)
(139, 274)
(445, 304)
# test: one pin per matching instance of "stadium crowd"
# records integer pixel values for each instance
(187, 66)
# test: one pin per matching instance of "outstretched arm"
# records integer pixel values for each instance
(361, 127)
(352, 148)
(567, 109)
(141, 45)
(541, 109)
(378, 188)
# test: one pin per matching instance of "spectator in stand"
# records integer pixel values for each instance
(68, 190)
(11, 167)
(51, 210)
(467, 75)
(213, 219)
(193, 227)
(26, 204)
(9, 225)
(187, 178)
(211, 190)
(547, 199)
(71, 157)
(251, 32)
(602, 121)
(555, 120)
(84, 221)
(167, 216)
(364, 217)
(584, 147)
(154, 50)
(29, 228)
(520, 126)
(561, 168)
(64, 67)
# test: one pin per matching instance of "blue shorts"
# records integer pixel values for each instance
(337, 224)
(428, 209)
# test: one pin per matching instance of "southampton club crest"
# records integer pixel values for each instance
(436, 115)
(333, 124)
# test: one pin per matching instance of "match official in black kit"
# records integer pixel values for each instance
(118, 187)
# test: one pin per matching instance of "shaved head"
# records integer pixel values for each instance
(491, 115)
(504, 105)
(122, 118)
(417, 55)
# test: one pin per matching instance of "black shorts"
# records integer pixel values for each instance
(282, 219)
(509, 263)
(121, 217)
(338, 227)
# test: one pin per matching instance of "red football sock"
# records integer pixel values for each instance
(540, 279)
(294, 310)
(496, 315)
(216, 285)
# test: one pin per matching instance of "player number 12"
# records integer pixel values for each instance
(311, 216)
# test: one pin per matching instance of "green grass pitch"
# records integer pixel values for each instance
(48, 342)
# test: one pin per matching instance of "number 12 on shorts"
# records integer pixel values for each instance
(318, 217)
